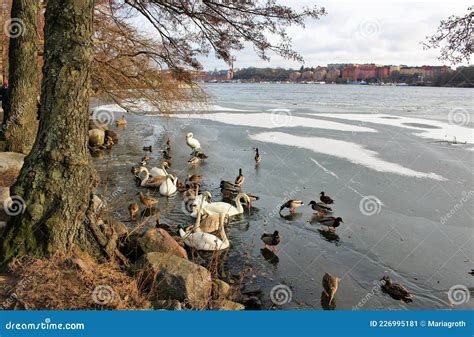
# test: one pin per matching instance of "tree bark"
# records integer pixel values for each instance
(22, 123)
(57, 177)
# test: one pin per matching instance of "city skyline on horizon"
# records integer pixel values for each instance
(389, 32)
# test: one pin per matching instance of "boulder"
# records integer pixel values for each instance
(10, 166)
(4, 194)
(96, 137)
(166, 305)
(118, 226)
(220, 289)
(228, 305)
(174, 278)
(158, 240)
(113, 135)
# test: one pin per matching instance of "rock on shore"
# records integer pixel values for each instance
(174, 278)
(158, 240)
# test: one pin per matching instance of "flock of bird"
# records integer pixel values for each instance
(207, 233)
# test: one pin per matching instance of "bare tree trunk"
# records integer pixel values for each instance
(56, 179)
(21, 123)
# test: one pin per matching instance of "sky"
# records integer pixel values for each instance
(366, 31)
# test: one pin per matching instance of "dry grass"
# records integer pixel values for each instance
(71, 283)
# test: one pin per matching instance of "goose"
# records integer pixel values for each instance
(258, 156)
(147, 180)
(226, 208)
(396, 290)
(326, 199)
(330, 285)
(271, 240)
(192, 142)
(240, 179)
(168, 187)
(292, 205)
(133, 209)
(149, 202)
(204, 241)
(331, 222)
(320, 208)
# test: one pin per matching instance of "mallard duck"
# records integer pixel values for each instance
(149, 202)
(194, 161)
(330, 285)
(271, 240)
(331, 222)
(292, 205)
(121, 121)
(201, 155)
(166, 155)
(192, 142)
(325, 198)
(146, 158)
(168, 145)
(320, 208)
(133, 210)
(258, 156)
(395, 290)
(229, 186)
(168, 187)
(147, 148)
(193, 179)
(240, 179)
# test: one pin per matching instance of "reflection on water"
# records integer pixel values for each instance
(325, 302)
(270, 257)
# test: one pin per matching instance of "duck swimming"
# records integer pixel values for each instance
(258, 156)
(194, 161)
(331, 222)
(320, 208)
(326, 199)
(292, 205)
(395, 290)
(147, 148)
(271, 240)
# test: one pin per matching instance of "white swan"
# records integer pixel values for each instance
(148, 181)
(168, 187)
(192, 142)
(205, 241)
(197, 203)
(225, 208)
(161, 171)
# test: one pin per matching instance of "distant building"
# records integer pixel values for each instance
(294, 76)
(320, 74)
(332, 74)
(430, 72)
(307, 75)
(410, 71)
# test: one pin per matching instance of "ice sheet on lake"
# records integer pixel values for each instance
(145, 107)
(324, 169)
(355, 153)
(274, 120)
(433, 129)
